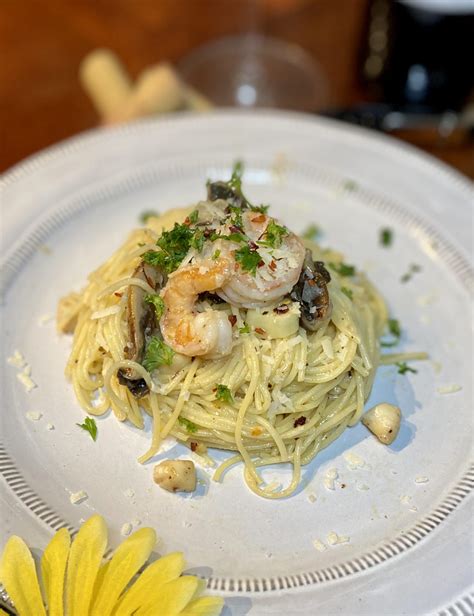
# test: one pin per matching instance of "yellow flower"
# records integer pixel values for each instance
(76, 581)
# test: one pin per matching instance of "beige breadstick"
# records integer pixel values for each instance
(157, 90)
(106, 81)
(195, 100)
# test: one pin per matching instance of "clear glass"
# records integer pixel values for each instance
(252, 70)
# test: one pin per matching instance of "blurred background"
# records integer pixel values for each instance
(402, 67)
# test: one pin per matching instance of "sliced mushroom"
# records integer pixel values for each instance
(312, 293)
(141, 325)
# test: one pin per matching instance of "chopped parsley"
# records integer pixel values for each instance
(223, 394)
(157, 354)
(174, 246)
(273, 235)
(144, 216)
(350, 185)
(343, 269)
(245, 329)
(90, 426)
(189, 425)
(216, 255)
(235, 237)
(193, 217)
(347, 292)
(413, 269)
(395, 330)
(248, 259)
(262, 209)
(198, 239)
(312, 232)
(403, 368)
(157, 302)
(386, 237)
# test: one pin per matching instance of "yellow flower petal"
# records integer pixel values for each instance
(204, 606)
(126, 561)
(85, 557)
(99, 579)
(160, 572)
(18, 575)
(171, 598)
(53, 570)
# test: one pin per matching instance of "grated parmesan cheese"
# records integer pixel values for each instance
(126, 529)
(26, 381)
(449, 389)
(34, 415)
(105, 312)
(330, 479)
(16, 360)
(328, 349)
(78, 497)
(129, 493)
(405, 500)
(421, 479)
(44, 319)
(335, 539)
(136, 522)
(312, 498)
(354, 461)
(319, 545)
(50, 426)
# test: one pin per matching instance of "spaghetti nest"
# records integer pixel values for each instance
(271, 400)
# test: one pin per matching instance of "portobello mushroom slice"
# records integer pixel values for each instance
(142, 324)
(312, 293)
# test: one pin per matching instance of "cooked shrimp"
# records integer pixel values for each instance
(184, 329)
(277, 273)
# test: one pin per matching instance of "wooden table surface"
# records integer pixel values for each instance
(42, 43)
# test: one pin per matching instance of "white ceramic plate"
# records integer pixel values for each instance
(66, 210)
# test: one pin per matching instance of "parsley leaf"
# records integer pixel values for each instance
(223, 394)
(386, 237)
(395, 330)
(90, 426)
(157, 302)
(157, 354)
(350, 185)
(343, 269)
(413, 269)
(245, 329)
(248, 259)
(193, 217)
(312, 232)
(216, 255)
(403, 367)
(189, 425)
(174, 246)
(198, 239)
(347, 292)
(262, 209)
(273, 235)
(144, 216)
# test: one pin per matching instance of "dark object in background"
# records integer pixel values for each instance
(418, 54)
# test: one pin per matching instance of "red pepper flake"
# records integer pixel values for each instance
(233, 319)
(260, 331)
(260, 263)
(253, 246)
(193, 445)
(311, 283)
(300, 421)
(272, 265)
(235, 229)
(117, 294)
(283, 309)
(187, 222)
(260, 218)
